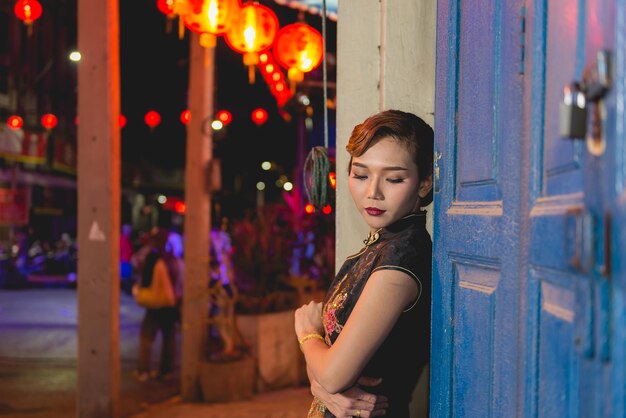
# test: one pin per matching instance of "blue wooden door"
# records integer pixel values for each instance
(528, 309)
(478, 124)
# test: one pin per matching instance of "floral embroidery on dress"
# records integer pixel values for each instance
(331, 323)
(317, 409)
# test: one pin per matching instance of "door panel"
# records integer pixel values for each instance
(557, 217)
(557, 362)
(477, 95)
(562, 56)
(477, 116)
(477, 144)
(475, 333)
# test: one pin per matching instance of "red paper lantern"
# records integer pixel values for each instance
(15, 122)
(185, 116)
(259, 116)
(225, 117)
(299, 48)
(252, 31)
(309, 208)
(49, 121)
(27, 11)
(171, 9)
(167, 8)
(210, 18)
(326, 210)
(180, 207)
(152, 119)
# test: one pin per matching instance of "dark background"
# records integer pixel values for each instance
(154, 76)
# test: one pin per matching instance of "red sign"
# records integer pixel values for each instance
(13, 206)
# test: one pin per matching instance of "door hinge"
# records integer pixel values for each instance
(522, 56)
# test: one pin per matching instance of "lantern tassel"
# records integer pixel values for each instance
(181, 28)
(251, 74)
(29, 29)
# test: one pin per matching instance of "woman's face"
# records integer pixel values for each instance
(384, 183)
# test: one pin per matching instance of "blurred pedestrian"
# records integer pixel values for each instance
(144, 247)
(158, 318)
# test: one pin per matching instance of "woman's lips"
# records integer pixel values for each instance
(374, 211)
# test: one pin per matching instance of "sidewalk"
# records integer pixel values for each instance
(285, 403)
(38, 366)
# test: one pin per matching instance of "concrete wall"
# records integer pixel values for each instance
(385, 60)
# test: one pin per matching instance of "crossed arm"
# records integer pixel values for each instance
(344, 404)
(335, 370)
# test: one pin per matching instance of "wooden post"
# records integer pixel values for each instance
(197, 217)
(98, 389)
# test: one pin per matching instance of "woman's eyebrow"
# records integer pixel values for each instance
(390, 168)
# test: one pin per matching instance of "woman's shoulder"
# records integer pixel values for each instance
(410, 250)
(410, 241)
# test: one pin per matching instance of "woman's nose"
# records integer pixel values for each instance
(374, 191)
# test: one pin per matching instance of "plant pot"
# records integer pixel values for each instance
(272, 342)
(227, 381)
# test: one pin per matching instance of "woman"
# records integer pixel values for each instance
(158, 271)
(367, 343)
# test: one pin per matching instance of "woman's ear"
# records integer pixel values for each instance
(426, 185)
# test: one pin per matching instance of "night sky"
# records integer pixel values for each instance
(154, 75)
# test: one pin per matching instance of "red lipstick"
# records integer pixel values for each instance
(374, 211)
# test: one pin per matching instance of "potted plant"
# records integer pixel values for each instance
(281, 260)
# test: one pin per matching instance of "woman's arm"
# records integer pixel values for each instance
(386, 294)
(354, 399)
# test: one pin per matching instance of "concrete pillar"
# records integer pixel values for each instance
(197, 216)
(98, 388)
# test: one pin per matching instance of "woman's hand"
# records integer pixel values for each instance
(354, 402)
(308, 319)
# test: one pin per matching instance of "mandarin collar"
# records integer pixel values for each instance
(415, 218)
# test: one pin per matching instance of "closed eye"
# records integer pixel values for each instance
(395, 180)
(356, 176)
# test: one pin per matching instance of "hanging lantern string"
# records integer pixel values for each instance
(317, 166)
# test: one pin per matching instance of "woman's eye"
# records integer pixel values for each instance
(358, 177)
(395, 180)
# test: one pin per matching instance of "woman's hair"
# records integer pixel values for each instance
(158, 241)
(406, 128)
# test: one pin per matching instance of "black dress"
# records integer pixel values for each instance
(406, 246)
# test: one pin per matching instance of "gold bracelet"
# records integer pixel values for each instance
(309, 336)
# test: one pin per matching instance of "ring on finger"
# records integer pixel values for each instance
(358, 413)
